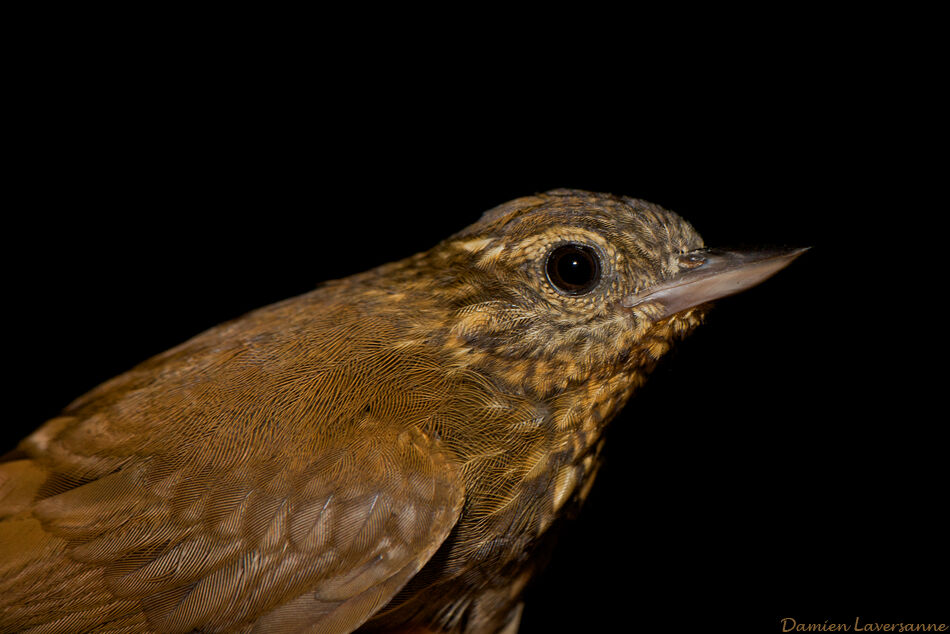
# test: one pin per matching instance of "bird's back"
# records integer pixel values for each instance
(183, 494)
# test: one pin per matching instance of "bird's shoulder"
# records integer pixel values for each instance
(251, 470)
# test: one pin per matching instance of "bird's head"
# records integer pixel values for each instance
(567, 285)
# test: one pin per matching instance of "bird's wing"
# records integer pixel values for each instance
(280, 545)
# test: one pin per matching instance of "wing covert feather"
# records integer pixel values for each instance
(175, 548)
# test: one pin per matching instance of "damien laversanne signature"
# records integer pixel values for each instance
(791, 625)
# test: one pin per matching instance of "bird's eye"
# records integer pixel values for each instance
(573, 269)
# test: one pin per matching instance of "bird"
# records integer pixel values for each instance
(388, 452)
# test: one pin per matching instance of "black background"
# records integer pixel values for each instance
(782, 462)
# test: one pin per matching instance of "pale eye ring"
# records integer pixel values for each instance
(573, 269)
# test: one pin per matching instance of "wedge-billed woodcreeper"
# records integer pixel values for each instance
(384, 453)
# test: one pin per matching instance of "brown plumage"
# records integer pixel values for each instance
(386, 452)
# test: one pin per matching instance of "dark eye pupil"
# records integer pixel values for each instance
(573, 269)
